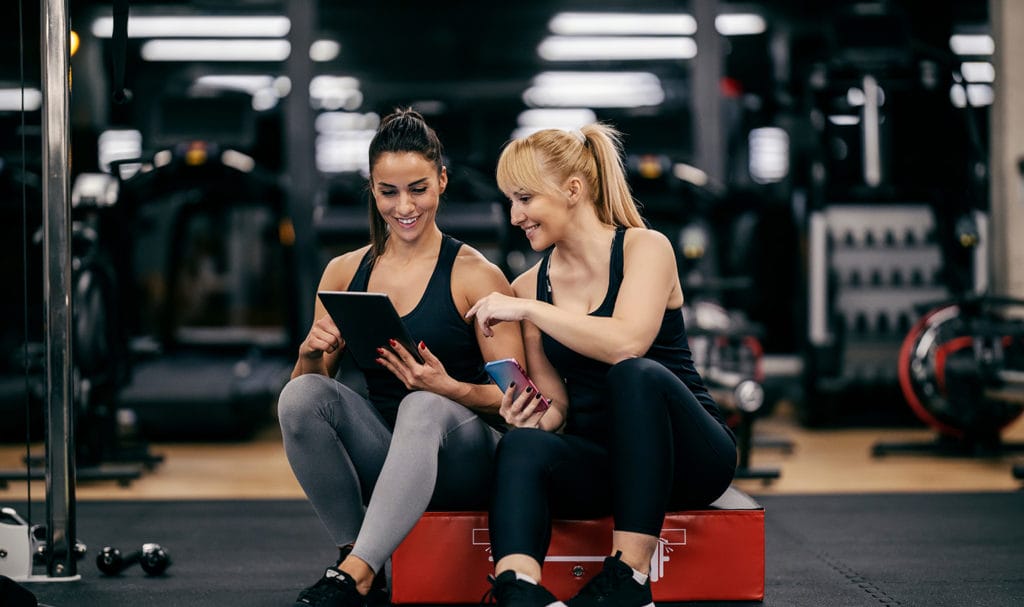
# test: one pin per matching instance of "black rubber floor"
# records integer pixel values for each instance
(838, 550)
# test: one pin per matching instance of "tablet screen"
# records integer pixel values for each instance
(367, 321)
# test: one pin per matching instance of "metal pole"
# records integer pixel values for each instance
(300, 160)
(60, 444)
(708, 133)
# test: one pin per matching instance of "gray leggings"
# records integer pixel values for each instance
(344, 457)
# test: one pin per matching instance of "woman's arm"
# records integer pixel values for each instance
(540, 370)
(321, 350)
(472, 277)
(650, 285)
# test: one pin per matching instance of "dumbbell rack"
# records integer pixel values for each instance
(870, 266)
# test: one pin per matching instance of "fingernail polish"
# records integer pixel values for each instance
(423, 346)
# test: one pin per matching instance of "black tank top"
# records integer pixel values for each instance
(437, 322)
(585, 377)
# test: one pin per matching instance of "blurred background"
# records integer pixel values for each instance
(839, 178)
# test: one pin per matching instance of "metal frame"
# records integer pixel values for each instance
(60, 441)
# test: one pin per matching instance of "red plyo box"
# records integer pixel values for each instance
(712, 554)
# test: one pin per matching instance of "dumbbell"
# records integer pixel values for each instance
(153, 558)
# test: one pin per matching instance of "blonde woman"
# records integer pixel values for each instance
(632, 430)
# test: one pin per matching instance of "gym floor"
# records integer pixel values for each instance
(820, 461)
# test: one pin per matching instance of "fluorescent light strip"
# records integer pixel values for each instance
(11, 100)
(972, 44)
(567, 117)
(740, 24)
(977, 94)
(216, 50)
(978, 71)
(197, 26)
(236, 82)
(531, 121)
(574, 24)
(769, 154)
(324, 50)
(601, 48)
(594, 90)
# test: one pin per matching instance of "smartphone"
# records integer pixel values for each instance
(508, 370)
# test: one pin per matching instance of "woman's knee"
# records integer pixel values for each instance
(634, 372)
(525, 448)
(636, 384)
(302, 397)
(423, 411)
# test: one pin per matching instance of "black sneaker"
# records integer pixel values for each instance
(335, 589)
(378, 594)
(509, 591)
(613, 586)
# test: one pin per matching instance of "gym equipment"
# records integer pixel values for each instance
(711, 554)
(22, 546)
(727, 353)
(15, 546)
(209, 273)
(961, 370)
(41, 551)
(99, 344)
(152, 557)
(886, 232)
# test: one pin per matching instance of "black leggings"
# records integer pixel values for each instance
(664, 451)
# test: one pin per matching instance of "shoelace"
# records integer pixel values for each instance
(607, 580)
(490, 597)
(498, 592)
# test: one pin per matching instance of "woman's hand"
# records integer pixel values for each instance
(496, 307)
(430, 375)
(324, 338)
(521, 412)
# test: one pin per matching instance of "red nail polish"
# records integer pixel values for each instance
(423, 346)
(393, 343)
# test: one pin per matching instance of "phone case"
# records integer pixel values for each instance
(508, 370)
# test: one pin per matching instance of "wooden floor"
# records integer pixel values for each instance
(821, 461)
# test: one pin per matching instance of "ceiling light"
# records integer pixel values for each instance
(11, 100)
(335, 93)
(976, 95)
(972, 44)
(594, 90)
(740, 24)
(978, 71)
(844, 119)
(197, 26)
(650, 24)
(769, 154)
(344, 152)
(235, 82)
(216, 50)
(607, 48)
(324, 50)
(566, 119)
